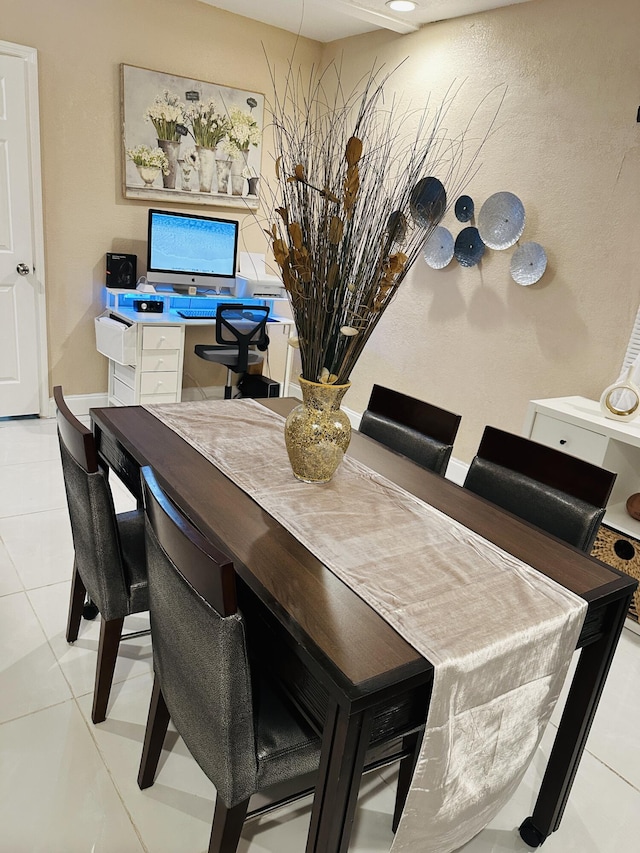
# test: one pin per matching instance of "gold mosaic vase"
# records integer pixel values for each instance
(317, 432)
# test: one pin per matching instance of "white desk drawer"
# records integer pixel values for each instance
(125, 395)
(153, 361)
(126, 374)
(158, 398)
(577, 441)
(161, 337)
(158, 383)
(115, 340)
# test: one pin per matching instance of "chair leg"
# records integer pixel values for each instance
(110, 633)
(227, 827)
(228, 388)
(405, 774)
(154, 735)
(76, 603)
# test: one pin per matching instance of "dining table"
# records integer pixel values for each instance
(356, 679)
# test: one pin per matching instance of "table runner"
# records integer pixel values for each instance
(499, 633)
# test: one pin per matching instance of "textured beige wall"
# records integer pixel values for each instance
(81, 44)
(567, 143)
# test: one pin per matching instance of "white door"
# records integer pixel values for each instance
(22, 341)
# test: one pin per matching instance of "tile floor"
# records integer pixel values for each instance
(67, 786)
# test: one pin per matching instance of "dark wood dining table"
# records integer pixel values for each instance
(358, 681)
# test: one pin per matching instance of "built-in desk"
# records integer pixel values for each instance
(146, 350)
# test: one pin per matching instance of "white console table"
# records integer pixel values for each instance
(146, 350)
(576, 426)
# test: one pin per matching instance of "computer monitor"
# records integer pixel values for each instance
(186, 250)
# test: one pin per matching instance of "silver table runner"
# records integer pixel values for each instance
(499, 634)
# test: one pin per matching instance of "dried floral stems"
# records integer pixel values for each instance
(349, 214)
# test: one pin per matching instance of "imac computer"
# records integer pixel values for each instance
(188, 251)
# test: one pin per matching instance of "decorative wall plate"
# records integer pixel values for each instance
(528, 263)
(438, 249)
(464, 208)
(469, 247)
(428, 201)
(501, 220)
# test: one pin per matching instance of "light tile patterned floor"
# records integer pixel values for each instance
(67, 786)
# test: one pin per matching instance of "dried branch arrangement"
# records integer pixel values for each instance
(355, 198)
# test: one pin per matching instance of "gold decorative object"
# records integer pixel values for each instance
(317, 432)
(621, 401)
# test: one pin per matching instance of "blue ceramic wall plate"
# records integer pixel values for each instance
(469, 247)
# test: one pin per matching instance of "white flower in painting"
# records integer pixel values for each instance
(165, 113)
(243, 132)
(153, 158)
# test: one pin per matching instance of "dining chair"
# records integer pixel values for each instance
(237, 726)
(411, 427)
(241, 338)
(561, 494)
(109, 563)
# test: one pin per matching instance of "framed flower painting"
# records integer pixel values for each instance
(189, 141)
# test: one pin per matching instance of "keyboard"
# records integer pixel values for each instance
(197, 313)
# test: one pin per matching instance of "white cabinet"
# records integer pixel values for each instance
(145, 361)
(576, 426)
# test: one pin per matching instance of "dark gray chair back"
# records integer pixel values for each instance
(561, 494)
(199, 647)
(418, 430)
(96, 537)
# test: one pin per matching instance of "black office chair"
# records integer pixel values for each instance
(238, 727)
(109, 564)
(561, 494)
(416, 429)
(240, 331)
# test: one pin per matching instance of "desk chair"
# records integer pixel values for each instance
(416, 429)
(561, 494)
(238, 328)
(109, 563)
(237, 725)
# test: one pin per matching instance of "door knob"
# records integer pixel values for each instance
(23, 269)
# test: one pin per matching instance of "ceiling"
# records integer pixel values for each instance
(328, 20)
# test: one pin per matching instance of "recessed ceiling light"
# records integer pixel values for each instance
(401, 5)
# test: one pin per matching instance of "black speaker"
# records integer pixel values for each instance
(121, 270)
(254, 385)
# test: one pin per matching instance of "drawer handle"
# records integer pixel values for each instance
(563, 441)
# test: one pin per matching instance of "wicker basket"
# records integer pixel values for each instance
(622, 552)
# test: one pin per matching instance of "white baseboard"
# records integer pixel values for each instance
(457, 471)
(80, 403)
(208, 392)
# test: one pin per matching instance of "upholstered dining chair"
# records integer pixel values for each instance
(109, 564)
(411, 427)
(561, 494)
(241, 338)
(237, 727)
